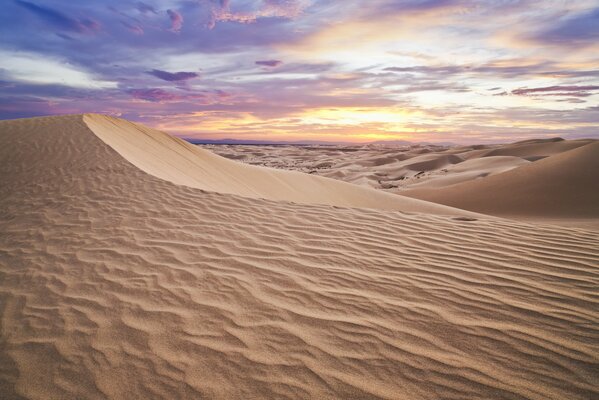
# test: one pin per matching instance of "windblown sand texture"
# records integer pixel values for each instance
(550, 180)
(563, 185)
(123, 279)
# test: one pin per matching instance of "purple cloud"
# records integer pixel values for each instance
(154, 95)
(135, 29)
(284, 8)
(173, 76)
(508, 71)
(145, 8)
(141, 30)
(60, 20)
(580, 30)
(579, 91)
(269, 63)
(176, 20)
(188, 99)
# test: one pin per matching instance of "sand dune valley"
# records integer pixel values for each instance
(135, 265)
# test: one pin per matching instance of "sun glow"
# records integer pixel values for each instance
(392, 119)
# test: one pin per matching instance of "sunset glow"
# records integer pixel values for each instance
(422, 70)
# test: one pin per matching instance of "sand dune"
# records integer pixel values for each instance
(509, 180)
(118, 284)
(470, 169)
(394, 169)
(535, 149)
(182, 163)
(564, 185)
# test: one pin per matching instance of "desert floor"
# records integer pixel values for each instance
(134, 265)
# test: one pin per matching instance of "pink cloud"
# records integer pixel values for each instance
(135, 29)
(176, 20)
(269, 8)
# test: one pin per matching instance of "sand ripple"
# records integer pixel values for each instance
(116, 284)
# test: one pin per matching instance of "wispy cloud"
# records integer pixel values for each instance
(578, 30)
(269, 63)
(153, 94)
(287, 9)
(173, 76)
(145, 8)
(59, 19)
(133, 28)
(434, 69)
(574, 91)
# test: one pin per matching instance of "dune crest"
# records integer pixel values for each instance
(563, 185)
(182, 163)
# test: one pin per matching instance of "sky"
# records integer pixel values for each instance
(456, 71)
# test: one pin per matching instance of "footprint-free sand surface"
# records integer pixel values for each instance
(126, 273)
(543, 180)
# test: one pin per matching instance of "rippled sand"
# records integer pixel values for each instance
(115, 283)
(545, 180)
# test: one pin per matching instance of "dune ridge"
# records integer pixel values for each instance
(116, 284)
(397, 168)
(544, 180)
(563, 185)
(182, 163)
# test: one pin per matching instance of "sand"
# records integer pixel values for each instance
(182, 163)
(565, 185)
(544, 180)
(117, 283)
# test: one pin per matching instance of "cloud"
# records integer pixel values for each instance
(352, 56)
(393, 6)
(299, 68)
(60, 20)
(572, 100)
(574, 91)
(154, 95)
(25, 67)
(287, 9)
(180, 99)
(173, 76)
(434, 86)
(508, 69)
(448, 69)
(176, 20)
(581, 30)
(145, 8)
(284, 8)
(269, 63)
(133, 28)
(489, 69)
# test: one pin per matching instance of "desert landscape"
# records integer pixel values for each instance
(561, 189)
(299, 199)
(136, 265)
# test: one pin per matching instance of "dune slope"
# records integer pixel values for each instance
(395, 169)
(116, 284)
(537, 148)
(182, 163)
(564, 185)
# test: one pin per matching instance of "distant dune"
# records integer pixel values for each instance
(535, 149)
(564, 185)
(134, 265)
(551, 180)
